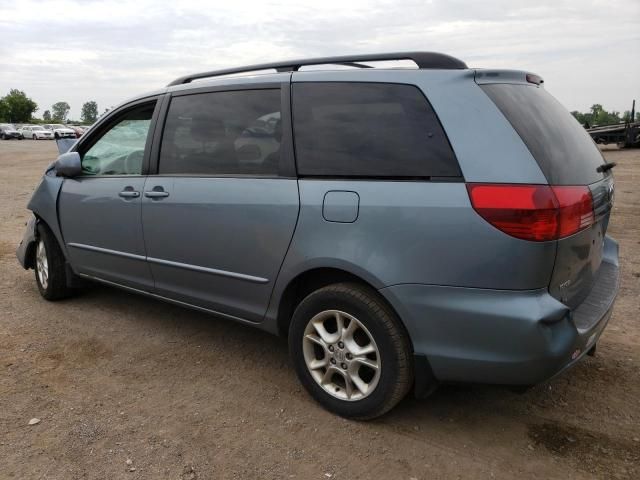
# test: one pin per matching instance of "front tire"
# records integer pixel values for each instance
(49, 266)
(350, 351)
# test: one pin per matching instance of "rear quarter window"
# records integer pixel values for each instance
(368, 130)
(563, 149)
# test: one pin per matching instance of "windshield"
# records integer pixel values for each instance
(8, 126)
(37, 128)
(57, 125)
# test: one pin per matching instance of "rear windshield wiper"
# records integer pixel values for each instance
(606, 166)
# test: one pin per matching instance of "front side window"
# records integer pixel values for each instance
(368, 130)
(223, 133)
(120, 150)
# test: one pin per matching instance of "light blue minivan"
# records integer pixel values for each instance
(403, 227)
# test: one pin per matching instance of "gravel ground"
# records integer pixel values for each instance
(128, 387)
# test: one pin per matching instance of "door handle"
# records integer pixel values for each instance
(129, 194)
(156, 194)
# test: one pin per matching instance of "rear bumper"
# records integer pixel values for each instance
(503, 337)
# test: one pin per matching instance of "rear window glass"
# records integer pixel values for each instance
(561, 146)
(223, 133)
(368, 130)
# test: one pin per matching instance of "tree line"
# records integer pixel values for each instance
(16, 107)
(597, 115)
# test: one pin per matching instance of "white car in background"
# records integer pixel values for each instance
(60, 131)
(36, 132)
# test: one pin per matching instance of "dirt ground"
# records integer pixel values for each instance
(128, 387)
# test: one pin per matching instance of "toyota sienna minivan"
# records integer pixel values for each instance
(403, 227)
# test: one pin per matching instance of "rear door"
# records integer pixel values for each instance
(100, 211)
(567, 156)
(220, 212)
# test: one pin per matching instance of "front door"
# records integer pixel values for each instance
(100, 211)
(219, 215)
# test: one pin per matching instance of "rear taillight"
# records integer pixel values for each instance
(533, 212)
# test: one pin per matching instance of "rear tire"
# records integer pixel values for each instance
(49, 266)
(34, 137)
(350, 351)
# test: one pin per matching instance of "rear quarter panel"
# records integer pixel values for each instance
(412, 232)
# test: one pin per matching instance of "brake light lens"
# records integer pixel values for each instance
(534, 212)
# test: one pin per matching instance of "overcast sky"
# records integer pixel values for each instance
(588, 51)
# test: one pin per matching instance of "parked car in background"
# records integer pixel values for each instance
(36, 132)
(78, 130)
(60, 131)
(9, 131)
(397, 243)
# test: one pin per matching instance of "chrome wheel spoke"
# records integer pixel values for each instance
(348, 384)
(347, 333)
(315, 339)
(359, 351)
(339, 324)
(327, 377)
(360, 384)
(324, 334)
(318, 363)
(373, 365)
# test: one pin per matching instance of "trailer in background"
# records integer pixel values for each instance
(623, 134)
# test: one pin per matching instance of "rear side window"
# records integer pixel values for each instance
(223, 133)
(561, 146)
(368, 130)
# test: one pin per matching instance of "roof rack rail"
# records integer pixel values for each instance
(423, 60)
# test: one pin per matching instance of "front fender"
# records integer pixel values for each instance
(44, 204)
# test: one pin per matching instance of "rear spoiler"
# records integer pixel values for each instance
(483, 77)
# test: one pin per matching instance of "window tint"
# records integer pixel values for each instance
(223, 133)
(120, 150)
(368, 130)
(561, 146)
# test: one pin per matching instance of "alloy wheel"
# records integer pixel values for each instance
(42, 264)
(341, 355)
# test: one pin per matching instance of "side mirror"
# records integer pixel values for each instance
(68, 165)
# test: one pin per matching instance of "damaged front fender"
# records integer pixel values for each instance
(43, 204)
(27, 244)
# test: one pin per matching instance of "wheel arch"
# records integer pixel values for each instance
(30, 250)
(313, 279)
(30, 254)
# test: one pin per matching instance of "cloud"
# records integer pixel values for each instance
(108, 51)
